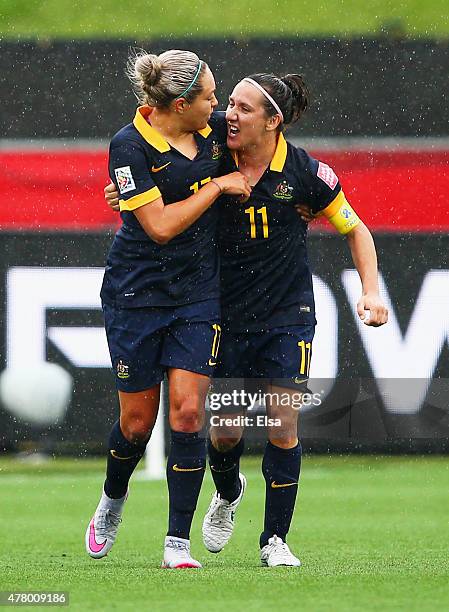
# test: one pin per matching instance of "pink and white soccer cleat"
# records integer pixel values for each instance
(102, 529)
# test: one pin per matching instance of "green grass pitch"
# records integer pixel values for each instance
(147, 19)
(372, 533)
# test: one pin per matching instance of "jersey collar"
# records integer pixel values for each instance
(151, 135)
(280, 155)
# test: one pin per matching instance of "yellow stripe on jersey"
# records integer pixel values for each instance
(152, 136)
(280, 155)
(341, 214)
(140, 199)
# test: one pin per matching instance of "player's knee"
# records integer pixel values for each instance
(225, 444)
(136, 431)
(285, 434)
(286, 440)
(187, 417)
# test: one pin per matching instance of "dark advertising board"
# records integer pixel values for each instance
(379, 87)
(384, 388)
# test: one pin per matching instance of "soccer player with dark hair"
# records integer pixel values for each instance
(160, 292)
(268, 311)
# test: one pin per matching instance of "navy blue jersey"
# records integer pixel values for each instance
(265, 276)
(144, 167)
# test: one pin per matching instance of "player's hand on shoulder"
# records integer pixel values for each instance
(111, 196)
(234, 184)
(305, 212)
(378, 312)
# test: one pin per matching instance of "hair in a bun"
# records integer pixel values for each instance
(159, 79)
(289, 92)
(300, 95)
(147, 68)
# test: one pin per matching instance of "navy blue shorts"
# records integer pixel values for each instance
(145, 342)
(281, 356)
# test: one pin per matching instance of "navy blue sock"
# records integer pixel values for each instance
(225, 467)
(281, 468)
(123, 457)
(185, 472)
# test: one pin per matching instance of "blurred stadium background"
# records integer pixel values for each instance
(378, 77)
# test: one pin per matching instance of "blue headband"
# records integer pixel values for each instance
(193, 82)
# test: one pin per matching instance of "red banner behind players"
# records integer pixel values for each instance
(392, 191)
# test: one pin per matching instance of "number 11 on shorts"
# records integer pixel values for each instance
(306, 354)
(215, 344)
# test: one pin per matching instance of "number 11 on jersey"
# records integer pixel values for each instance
(252, 220)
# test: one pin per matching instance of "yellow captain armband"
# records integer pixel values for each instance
(341, 214)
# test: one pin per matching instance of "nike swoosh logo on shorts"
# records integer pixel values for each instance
(179, 469)
(93, 544)
(275, 485)
(154, 169)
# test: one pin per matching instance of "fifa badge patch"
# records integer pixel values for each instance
(326, 174)
(122, 370)
(283, 191)
(125, 181)
(216, 150)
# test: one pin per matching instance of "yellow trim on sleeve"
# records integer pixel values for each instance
(140, 199)
(341, 214)
(333, 207)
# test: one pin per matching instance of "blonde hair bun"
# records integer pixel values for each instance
(148, 68)
(159, 79)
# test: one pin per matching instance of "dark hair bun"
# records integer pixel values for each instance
(300, 96)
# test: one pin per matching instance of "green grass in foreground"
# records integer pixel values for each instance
(146, 19)
(372, 533)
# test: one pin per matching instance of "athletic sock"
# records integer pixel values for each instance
(225, 467)
(185, 471)
(114, 505)
(123, 457)
(281, 468)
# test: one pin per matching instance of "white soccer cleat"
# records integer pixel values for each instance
(177, 554)
(102, 529)
(276, 553)
(218, 523)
